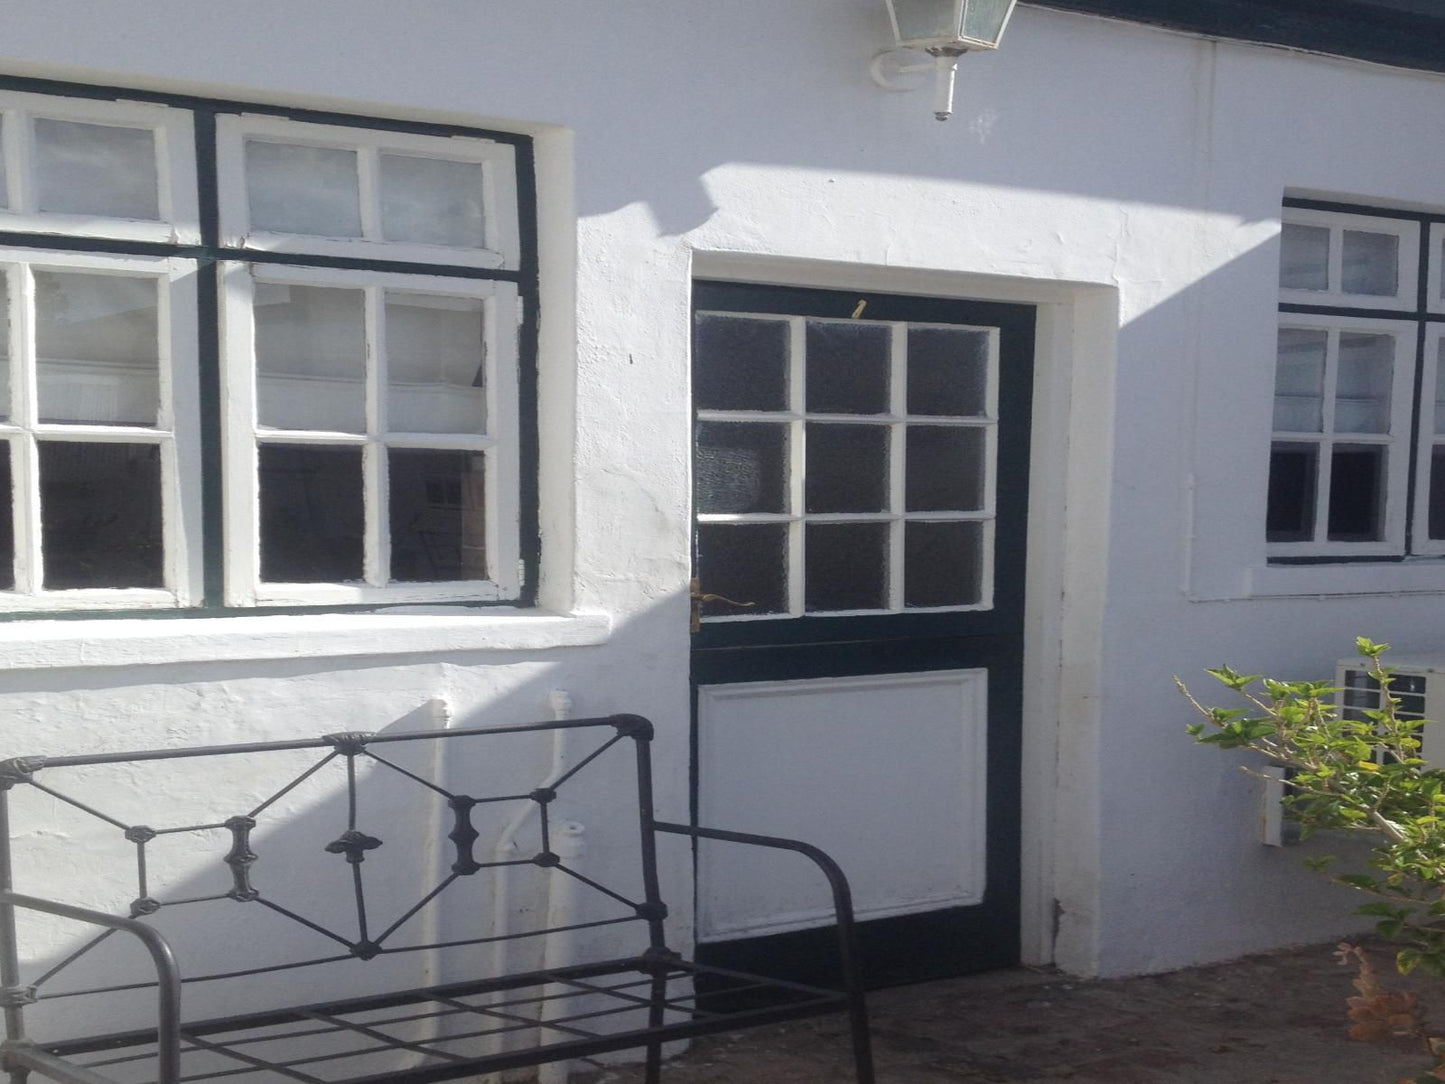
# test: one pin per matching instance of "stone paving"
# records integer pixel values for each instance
(1271, 1019)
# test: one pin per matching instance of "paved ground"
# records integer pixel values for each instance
(1274, 1019)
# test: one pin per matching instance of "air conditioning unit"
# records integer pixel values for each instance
(1418, 684)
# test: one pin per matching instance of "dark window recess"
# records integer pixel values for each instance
(847, 368)
(741, 467)
(1291, 514)
(847, 468)
(742, 363)
(438, 515)
(1357, 497)
(847, 567)
(942, 564)
(311, 514)
(746, 562)
(7, 521)
(100, 515)
(1437, 491)
(944, 469)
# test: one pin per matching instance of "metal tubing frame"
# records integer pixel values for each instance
(843, 908)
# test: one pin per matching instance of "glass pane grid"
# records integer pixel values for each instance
(860, 531)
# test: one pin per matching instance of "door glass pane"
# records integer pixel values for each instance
(741, 467)
(100, 515)
(1293, 480)
(311, 514)
(846, 567)
(1362, 388)
(1357, 493)
(847, 370)
(1299, 381)
(438, 515)
(1304, 257)
(97, 348)
(293, 188)
(747, 562)
(847, 468)
(945, 468)
(1370, 263)
(739, 363)
(1437, 492)
(4, 347)
(436, 371)
(942, 564)
(948, 371)
(310, 358)
(7, 521)
(95, 169)
(431, 201)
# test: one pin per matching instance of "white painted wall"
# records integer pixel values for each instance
(1126, 179)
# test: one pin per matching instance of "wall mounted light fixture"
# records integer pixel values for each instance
(945, 30)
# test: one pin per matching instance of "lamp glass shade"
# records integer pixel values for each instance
(977, 24)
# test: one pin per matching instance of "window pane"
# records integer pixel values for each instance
(1362, 388)
(1440, 386)
(298, 189)
(847, 367)
(741, 467)
(925, 19)
(1370, 263)
(96, 169)
(7, 521)
(436, 374)
(984, 19)
(312, 521)
(97, 348)
(947, 371)
(847, 567)
(1437, 491)
(942, 564)
(1304, 257)
(438, 515)
(944, 469)
(747, 562)
(1299, 381)
(4, 345)
(431, 201)
(739, 363)
(310, 358)
(100, 515)
(847, 468)
(1293, 476)
(1357, 493)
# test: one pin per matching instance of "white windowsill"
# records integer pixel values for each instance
(1409, 577)
(37, 645)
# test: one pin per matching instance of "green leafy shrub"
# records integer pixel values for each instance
(1357, 775)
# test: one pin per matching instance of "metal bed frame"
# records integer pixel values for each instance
(639, 1001)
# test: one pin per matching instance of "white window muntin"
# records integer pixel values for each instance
(1408, 256)
(178, 221)
(1435, 297)
(242, 437)
(1395, 441)
(897, 419)
(498, 160)
(176, 434)
(1432, 436)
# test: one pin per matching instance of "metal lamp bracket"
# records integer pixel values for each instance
(900, 69)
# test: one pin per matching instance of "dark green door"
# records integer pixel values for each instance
(861, 483)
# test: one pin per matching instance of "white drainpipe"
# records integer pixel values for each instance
(560, 949)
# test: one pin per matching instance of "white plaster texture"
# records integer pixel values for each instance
(1126, 179)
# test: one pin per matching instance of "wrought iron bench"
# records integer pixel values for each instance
(320, 810)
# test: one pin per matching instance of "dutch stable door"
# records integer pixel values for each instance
(860, 473)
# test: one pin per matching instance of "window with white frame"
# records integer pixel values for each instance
(1357, 463)
(260, 357)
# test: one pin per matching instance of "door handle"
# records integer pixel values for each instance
(695, 592)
